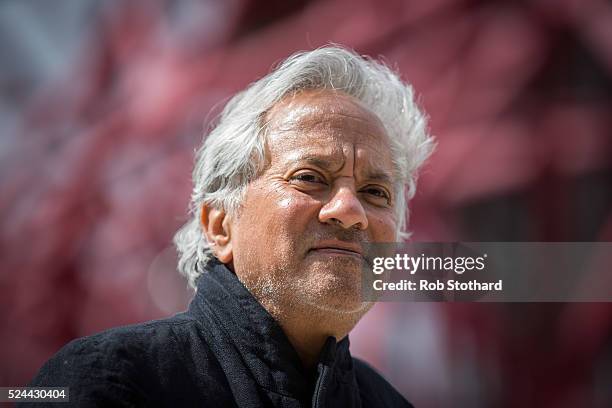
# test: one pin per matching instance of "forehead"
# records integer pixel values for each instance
(325, 123)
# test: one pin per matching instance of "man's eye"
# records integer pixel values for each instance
(309, 178)
(377, 192)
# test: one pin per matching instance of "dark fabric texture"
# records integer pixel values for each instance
(226, 350)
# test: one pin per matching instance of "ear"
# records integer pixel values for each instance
(217, 229)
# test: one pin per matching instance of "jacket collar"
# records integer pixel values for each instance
(264, 347)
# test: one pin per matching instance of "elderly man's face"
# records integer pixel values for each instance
(326, 191)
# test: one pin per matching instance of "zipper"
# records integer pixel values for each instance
(326, 361)
(319, 394)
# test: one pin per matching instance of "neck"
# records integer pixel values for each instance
(307, 330)
(307, 326)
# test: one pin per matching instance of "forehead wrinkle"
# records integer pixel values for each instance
(325, 126)
(330, 124)
(322, 160)
(304, 110)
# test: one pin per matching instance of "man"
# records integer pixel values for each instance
(305, 168)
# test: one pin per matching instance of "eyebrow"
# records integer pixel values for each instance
(326, 163)
(380, 176)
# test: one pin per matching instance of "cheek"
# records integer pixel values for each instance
(383, 227)
(292, 214)
(278, 216)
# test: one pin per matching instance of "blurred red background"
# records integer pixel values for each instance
(103, 104)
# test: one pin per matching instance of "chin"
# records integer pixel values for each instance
(331, 284)
(344, 307)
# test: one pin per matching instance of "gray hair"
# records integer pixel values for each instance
(233, 153)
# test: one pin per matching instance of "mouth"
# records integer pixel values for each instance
(338, 248)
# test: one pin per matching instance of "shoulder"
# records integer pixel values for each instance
(132, 364)
(374, 389)
(121, 347)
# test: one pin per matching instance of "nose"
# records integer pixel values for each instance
(344, 209)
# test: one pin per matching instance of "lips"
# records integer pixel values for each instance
(338, 247)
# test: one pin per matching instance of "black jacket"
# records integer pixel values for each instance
(224, 351)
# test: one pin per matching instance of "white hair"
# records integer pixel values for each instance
(233, 153)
